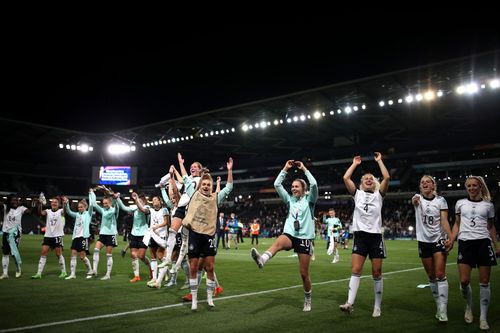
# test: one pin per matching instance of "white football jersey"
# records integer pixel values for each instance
(54, 226)
(12, 219)
(428, 219)
(184, 200)
(367, 215)
(474, 217)
(157, 218)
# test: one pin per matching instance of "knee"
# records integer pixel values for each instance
(376, 273)
(464, 282)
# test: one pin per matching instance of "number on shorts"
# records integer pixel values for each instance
(211, 241)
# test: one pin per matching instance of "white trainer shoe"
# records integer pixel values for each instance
(105, 277)
(376, 312)
(256, 257)
(483, 325)
(4, 276)
(307, 305)
(347, 308)
(71, 277)
(468, 317)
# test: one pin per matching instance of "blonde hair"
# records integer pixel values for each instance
(84, 203)
(485, 193)
(303, 183)
(434, 192)
(375, 179)
(205, 176)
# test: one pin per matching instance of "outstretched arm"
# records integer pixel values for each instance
(181, 165)
(139, 204)
(313, 185)
(351, 187)
(279, 180)
(384, 184)
(222, 194)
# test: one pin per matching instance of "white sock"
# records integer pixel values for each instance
(146, 261)
(442, 286)
(193, 286)
(484, 299)
(109, 264)
(5, 264)
(62, 264)
(154, 268)
(378, 288)
(266, 257)
(353, 288)
(467, 294)
(86, 261)
(96, 260)
(161, 274)
(72, 265)
(135, 266)
(170, 244)
(308, 295)
(434, 291)
(41, 264)
(210, 291)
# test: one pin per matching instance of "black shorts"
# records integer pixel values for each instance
(180, 212)
(80, 244)
(153, 244)
(5, 241)
(137, 243)
(477, 252)
(201, 246)
(367, 244)
(53, 242)
(304, 246)
(178, 241)
(427, 250)
(108, 240)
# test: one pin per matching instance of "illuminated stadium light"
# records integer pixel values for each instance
(494, 84)
(211, 133)
(450, 185)
(178, 140)
(117, 149)
(132, 148)
(339, 111)
(78, 147)
(164, 142)
(381, 103)
(440, 93)
(61, 146)
(73, 147)
(268, 123)
(331, 113)
(263, 124)
(400, 100)
(460, 90)
(256, 125)
(276, 122)
(409, 99)
(143, 145)
(191, 137)
(156, 143)
(216, 133)
(250, 127)
(182, 139)
(91, 148)
(472, 88)
(483, 86)
(419, 97)
(85, 148)
(302, 117)
(68, 147)
(429, 95)
(232, 129)
(289, 120)
(171, 141)
(281, 121)
(347, 109)
(308, 116)
(390, 102)
(323, 114)
(363, 107)
(295, 118)
(355, 108)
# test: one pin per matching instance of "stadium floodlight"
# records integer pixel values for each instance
(256, 125)
(450, 185)
(276, 122)
(472, 88)
(268, 123)
(281, 121)
(483, 86)
(250, 127)
(156, 143)
(222, 131)
(73, 147)
(429, 95)
(323, 114)
(164, 142)
(381, 103)
(440, 93)
(460, 90)
(232, 129)
(84, 148)
(409, 99)
(118, 148)
(182, 138)
(168, 141)
(390, 102)
(211, 133)
(410, 228)
(302, 117)
(400, 100)
(355, 108)
(61, 146)
(289, 120)
(308, 116)
(263, 124)
(216, 133)
(339, 111)
(191, 137)
(494, 84)
(78, 147)
(363, 107)
(295, 118)
(419, 97)
(347, 109)
(132, 148)
(143, 145)
(331, 113)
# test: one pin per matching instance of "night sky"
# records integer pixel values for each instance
(112, 78)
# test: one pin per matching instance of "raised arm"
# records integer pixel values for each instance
(351, 187)
(181, 166)
(139, 204)
(93, 202)
(386, 177)
(178, 176)
(279, 180)
(67, 208)
(222, 194)
(122, 205)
